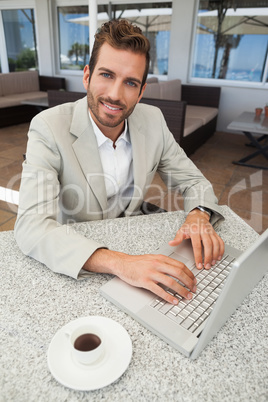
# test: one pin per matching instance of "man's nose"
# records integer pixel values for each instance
(115, 90)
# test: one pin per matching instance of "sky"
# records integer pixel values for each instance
(249, 57)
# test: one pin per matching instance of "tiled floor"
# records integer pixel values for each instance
(244, 190)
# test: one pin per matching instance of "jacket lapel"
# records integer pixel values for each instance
(86, 150)
(137, 136)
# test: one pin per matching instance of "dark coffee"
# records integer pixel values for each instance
(87, 342)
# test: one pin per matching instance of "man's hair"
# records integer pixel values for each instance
(121, 34)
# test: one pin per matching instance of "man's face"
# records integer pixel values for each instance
(114, 88)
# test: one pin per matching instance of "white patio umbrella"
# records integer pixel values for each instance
(150, 19)
(242, 21)
(229, 28)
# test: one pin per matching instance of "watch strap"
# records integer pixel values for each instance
(204, 209)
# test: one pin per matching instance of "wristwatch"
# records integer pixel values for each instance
(206, 210)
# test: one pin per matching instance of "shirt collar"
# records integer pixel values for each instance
(101, 138)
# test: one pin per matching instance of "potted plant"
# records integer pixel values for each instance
(258, 111)
(266, 110)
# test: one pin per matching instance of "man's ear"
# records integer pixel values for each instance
(86, 76)
(142, 90)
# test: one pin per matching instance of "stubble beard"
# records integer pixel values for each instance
(110, 120)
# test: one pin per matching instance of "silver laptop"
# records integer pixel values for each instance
(190, 325)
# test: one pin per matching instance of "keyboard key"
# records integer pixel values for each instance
(183, 314)
(210, 300)
(182, 303)
(165, 308)
(194, 316)
(175, 310)
(154, 303)
(171, 292)
(189, 308)
(222, 277)
(214, 295)
(210, 288)
(217, 269)
(199, 298)
(217, 291)
(200, 286)
(206, 292)
(201, 275)
(194, 303)
(187, 323)
(194, 327)
(159, 305)
(171, 316)
(212, 276)
(178, 319)
(199, 321)
(204, 305)
(199, 311)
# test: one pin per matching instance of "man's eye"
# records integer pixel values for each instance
(106, 75)
(131, 83)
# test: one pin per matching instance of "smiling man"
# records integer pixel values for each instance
(113, 93)
(95, 159)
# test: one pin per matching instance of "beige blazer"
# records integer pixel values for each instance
(62, 181)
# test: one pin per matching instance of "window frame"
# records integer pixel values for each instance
(162, 77)
(14, 5)
(56, 36)
(217, 81)
(54, 18)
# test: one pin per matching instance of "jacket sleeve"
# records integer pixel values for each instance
(37, 230)
(180, 173)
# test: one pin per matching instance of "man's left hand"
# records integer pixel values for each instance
(203, 236)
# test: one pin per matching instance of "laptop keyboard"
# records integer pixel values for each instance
(190, 314)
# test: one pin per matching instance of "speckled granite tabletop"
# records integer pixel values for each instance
(36, 303)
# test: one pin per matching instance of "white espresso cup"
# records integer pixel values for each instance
(86, 343)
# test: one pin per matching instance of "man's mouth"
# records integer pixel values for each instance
(112, 108)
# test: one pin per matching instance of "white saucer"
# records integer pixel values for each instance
(116, 358)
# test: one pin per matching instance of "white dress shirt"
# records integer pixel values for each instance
(117, 164)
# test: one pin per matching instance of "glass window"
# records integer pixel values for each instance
(155, 21)
(230, 44)
(153, 18)
(73, 37)
(19, 28)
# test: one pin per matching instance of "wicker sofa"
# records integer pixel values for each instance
(58, 97)
(23, 86)
(190, 111)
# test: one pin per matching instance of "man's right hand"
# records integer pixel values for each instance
(147, 271)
